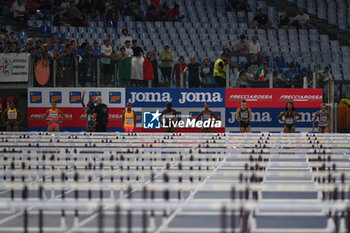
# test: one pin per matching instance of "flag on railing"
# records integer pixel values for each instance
(135, 68)
(261, 73)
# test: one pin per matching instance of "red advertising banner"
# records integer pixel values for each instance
(273, 97)
(75, 117)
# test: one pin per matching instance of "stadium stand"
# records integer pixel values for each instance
(205, 29)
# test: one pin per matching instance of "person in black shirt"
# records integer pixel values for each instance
(170, 115)
(262, 19)
(101, 115)
(137, 50)
(284, 21)
(194, 69)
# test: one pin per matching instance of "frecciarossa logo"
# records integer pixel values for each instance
(178, 98)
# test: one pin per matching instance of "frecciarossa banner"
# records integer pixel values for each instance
(273, 97)
(266, 104)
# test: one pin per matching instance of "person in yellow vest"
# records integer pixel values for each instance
(12, 117)
(52, 118)
(220, 71)
(129, 119)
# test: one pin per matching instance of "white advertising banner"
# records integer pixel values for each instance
(14, 67)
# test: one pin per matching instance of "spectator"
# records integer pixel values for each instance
(133, 9)
(250, 74)
(301, 20)
(155, 3)
(177, 71)
(121, 55)
(84, 53)
(220, 71)
(284, 21)
(106, 54)
(55, 42)
(14, 47)
(238, 5)
(59, 19)
(3, 34)
(65, 4)
(27, 48)
(278, 81)
(173, 14)
(166, 58)
(19, 11)
(254, 46)
(151, 56)
(73, 15)
(193, 68)
(206, 74)
(323, 77)
(242, 47)
(111, 15)
(262, 20)
(324, 81)
(101, 115)
(289, 75)
(39, 43)
(12, 38)
(124, 37)
(128, 50)
(137, 50)
(69, 63)
(95, 54)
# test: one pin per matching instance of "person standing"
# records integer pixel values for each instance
(177, 71)
(220, 71)
(324, 120)
(124, 37)
(244, 116)
(106, 55)
(166, 58)
(207, 115)
(288, 117)
(54, 120)
(206, 74)
(101, 115)
(13, 121)
(89, 110)
(129, 119)
(169, 114)
(193, 68)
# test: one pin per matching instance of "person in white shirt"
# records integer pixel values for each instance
(128, 49)
(65, 4)
(19, 10)
(124, 37)
(302, 20)
(254, 46)
(106, 54)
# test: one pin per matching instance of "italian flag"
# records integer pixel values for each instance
(135, 68)
(261, 73)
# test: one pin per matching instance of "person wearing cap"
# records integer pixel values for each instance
(101, 115)
(220, 71)
(166, 58)
(177, 70)
(124, 37)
